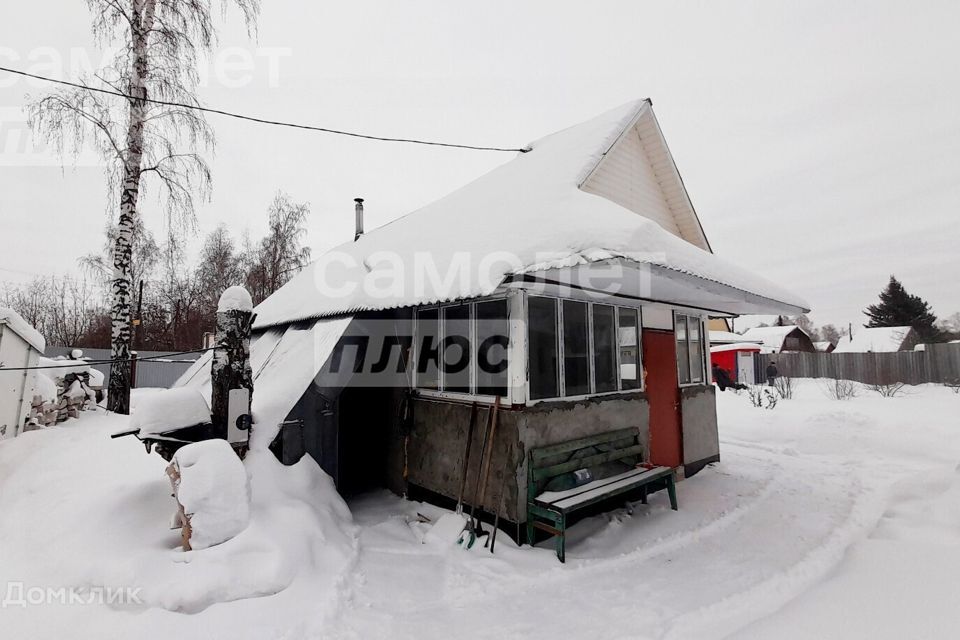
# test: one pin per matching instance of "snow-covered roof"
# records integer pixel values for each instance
(728, 337)
(823, 345)
(526, 215)
(769, 337)
(168, 410)
(873, 339)
(735, 346)
(22, 328)
(284, 362)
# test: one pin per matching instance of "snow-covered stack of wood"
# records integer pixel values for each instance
(64, 389)
(212, 492)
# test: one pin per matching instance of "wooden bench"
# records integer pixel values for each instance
(548, 511)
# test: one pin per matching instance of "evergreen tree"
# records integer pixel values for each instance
(897, 308)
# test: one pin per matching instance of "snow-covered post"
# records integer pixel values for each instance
(231, 355)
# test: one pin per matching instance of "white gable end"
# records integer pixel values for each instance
(638, 173)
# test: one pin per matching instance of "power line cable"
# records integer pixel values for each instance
(278, 123)
(68, 364)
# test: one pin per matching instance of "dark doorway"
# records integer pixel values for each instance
(365, 418)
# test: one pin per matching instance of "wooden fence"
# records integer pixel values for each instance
(938, 363)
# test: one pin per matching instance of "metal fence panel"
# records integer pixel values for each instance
(150, 373)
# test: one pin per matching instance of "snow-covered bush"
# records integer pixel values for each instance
(762, 397)
(953, 385)
(841, 389)
(784, 387)
(888, 389)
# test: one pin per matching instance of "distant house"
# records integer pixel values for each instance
(728, 337)
(824, 346)
(879, 340)
(595, 325)
(780, 339)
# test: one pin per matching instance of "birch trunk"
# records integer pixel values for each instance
(121, 286)
(230, 368)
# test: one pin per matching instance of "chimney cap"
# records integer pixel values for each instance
(358, 200)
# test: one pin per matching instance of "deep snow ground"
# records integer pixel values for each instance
(824, 519)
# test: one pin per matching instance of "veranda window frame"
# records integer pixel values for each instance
(704, 368)
(561, 355)
(441, 393)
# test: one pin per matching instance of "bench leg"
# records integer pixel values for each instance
(643, 496)
(672, 492)
(562, 539)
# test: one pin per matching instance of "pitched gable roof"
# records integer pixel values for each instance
(770, 337)
(874, 339)
(528, 214)
(638, 172)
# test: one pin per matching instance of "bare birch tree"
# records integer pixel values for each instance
(142, 142)
(281, 254)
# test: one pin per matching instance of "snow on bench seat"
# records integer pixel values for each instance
(564, 500)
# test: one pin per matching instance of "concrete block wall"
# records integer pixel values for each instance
(438, 440)
(701, 442)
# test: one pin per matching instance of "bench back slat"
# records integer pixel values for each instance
(541, 453)
(543, 473)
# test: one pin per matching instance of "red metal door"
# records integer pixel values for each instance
(663, 394)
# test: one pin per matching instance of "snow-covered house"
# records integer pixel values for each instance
(728, 337)
(779, 339)
(20, 347)
(573, 283)
(824, 346)
(879, 340)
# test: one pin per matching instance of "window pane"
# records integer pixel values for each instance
(456, 348)
(604, 348)
(628, 337)
(428, 343)
(493, 337)
(576, 348)
(696, 352)
(542, 338)
(683, 354)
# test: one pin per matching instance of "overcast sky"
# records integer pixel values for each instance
(819, 141)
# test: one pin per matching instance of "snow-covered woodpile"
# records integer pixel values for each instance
(212, 492)
(64, 388)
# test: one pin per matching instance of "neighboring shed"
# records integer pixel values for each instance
(824, 346)
(20, 346)
(879, 340)
(780, 339)
(737, 359)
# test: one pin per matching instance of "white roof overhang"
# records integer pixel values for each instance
(629, 280)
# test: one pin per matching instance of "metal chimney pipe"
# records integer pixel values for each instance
(358, 209)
